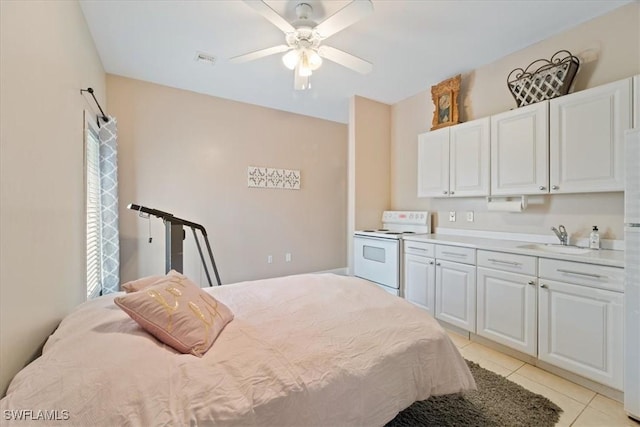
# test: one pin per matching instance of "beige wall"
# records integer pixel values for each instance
(372, 126)
(46, 56)
(187, 154)
(369, 166)
(608, 46)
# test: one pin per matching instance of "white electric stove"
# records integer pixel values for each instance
(378, 252)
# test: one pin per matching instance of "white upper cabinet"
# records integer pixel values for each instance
(587, 136)
(454, 161)
(570, 144)
(520, 151)
(469, 158)
(433, 163)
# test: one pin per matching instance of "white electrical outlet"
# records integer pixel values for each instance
(287, 257)
(470, 216)
(452, 216)
(269, 259)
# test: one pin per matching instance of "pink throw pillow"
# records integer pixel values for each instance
(178, 313)
(139, 284)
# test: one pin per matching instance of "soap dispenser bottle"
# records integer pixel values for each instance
(594, 238)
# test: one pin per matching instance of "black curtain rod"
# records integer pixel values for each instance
(104, 116)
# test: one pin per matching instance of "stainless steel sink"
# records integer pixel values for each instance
(559, 249)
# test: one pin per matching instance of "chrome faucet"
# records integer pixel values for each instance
(561, 233)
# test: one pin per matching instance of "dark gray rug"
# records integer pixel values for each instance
(497, 402)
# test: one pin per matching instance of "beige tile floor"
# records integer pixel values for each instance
(581, 406)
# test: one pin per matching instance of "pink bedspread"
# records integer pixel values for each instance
(302, 350)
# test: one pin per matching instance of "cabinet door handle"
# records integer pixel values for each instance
(417, 249)
(431, 263)
(453, 192)
(531, 282)
(499, 261)
(555, 187)
(438, 264)
(579, 273)
(542, 187)
(445, 192)
(453, 253)
(544, 286)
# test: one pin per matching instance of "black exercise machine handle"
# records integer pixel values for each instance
(166, 216)
(173, 220)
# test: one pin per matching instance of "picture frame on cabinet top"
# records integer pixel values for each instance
(445, 101)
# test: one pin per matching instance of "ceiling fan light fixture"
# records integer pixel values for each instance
(303, 70)
(315, 61)
(291, 58)
(301, 82)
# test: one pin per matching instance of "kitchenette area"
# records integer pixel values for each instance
(548, 270)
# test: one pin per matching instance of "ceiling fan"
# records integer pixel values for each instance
(304, 51)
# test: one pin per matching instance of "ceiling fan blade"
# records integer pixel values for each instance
(346, 16)
(345, 59)
(259, 54)
(271, 15)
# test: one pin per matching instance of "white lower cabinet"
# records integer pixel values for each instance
(456, 294)
(507, 309)
(581, 330)
(569, 314)
(419, 284)
(419, 281)
(507, 300)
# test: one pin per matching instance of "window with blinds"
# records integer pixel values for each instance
(94, 226)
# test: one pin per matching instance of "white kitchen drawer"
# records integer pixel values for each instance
(419, 248)
(456, 254)
(522, 264)
(596, 276)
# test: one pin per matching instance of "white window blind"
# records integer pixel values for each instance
(94, 226)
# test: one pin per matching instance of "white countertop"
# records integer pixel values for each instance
(601, 257)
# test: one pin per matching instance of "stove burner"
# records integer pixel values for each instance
(383, 229)
(392, 232)
(369, 231)
(408, 232)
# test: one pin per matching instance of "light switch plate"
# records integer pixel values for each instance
(470, 216)
(452, 216)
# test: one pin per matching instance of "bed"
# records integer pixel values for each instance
(312, 349)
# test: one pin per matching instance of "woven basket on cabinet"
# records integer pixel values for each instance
(551, 79)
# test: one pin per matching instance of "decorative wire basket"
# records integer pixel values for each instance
(551, 79)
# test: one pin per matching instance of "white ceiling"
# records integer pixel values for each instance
(412, 44)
